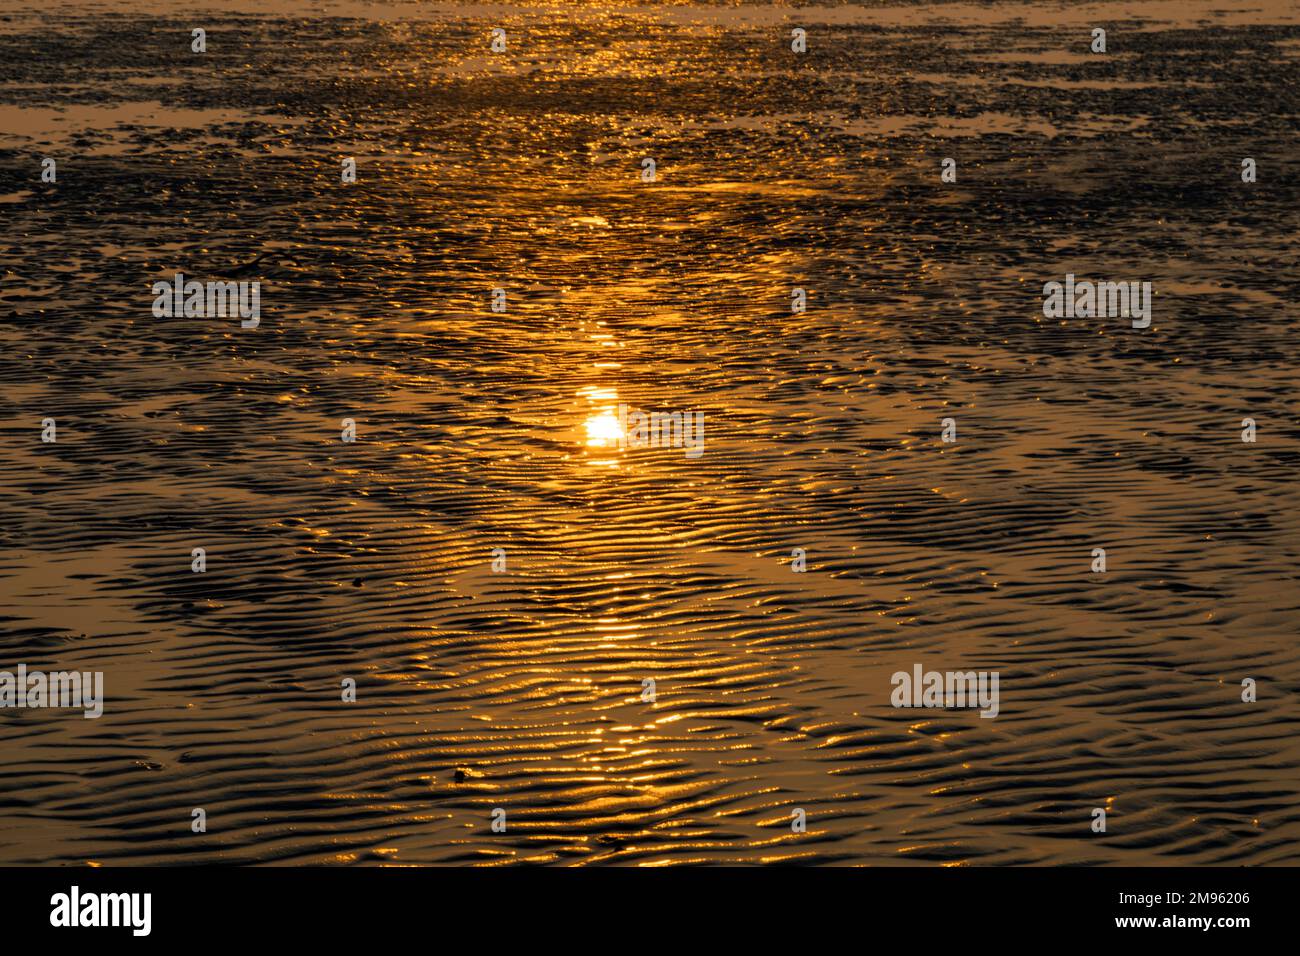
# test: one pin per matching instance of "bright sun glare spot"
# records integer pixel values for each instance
(603, 430)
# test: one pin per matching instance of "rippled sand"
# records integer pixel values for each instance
(523, 690)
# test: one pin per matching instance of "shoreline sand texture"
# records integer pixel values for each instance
(522, 690)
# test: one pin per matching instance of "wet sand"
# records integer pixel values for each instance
(522, 690)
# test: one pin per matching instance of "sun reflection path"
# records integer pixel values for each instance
(603, 427)
(603, 430)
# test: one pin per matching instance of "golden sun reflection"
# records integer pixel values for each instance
(603, 429)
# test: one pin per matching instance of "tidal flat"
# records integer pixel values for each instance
(485, 435)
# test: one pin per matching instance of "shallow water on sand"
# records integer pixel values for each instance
(479, 430)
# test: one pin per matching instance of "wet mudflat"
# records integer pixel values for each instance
(478, 430)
